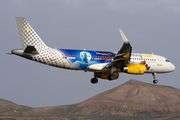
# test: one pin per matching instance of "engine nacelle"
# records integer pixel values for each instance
(135, 69)
(105, 75)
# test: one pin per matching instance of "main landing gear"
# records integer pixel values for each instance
(94, 80)
(111, 77)
(98, 75)
(154, 76)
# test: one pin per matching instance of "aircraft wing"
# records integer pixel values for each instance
(123, 56)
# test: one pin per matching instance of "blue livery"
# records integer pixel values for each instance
(85, 58)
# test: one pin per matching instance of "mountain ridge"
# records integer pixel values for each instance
(8, 105)
(132, 99)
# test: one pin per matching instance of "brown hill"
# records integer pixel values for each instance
(133, 98)
(8, 105)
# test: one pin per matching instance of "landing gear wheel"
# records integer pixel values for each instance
(154, 76)
(111, 77)
(155, 81)
(94, 80)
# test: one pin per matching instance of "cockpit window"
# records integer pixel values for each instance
(167, 60)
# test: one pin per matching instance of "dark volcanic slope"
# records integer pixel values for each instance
(132, 98)
(7, 105)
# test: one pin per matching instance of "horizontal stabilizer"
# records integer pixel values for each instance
(31, 50)
(9, 53)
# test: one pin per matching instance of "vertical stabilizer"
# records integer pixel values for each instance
(28, 35)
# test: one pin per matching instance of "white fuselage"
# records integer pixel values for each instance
(55, 57)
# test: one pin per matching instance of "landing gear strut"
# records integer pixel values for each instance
(94, 80)
(154, 76)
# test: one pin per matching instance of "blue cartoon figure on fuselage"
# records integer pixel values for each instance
(85, 59)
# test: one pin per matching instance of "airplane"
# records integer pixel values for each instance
(105, 65)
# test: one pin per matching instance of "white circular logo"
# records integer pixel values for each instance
(85, 56)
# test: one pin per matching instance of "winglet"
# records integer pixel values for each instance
(125, 40)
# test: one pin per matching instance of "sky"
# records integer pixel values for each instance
(150, 26)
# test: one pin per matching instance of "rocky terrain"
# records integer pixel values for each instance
(131, 100)
(8, 105)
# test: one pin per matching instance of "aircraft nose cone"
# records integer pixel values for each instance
(172, 67)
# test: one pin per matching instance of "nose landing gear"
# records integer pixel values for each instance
(155, 81)
(154, 76)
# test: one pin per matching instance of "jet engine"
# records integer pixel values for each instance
(135, 69)
(107, 75)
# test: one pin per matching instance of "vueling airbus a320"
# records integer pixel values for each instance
(105, 65)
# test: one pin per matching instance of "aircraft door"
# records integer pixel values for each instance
(159, 61)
